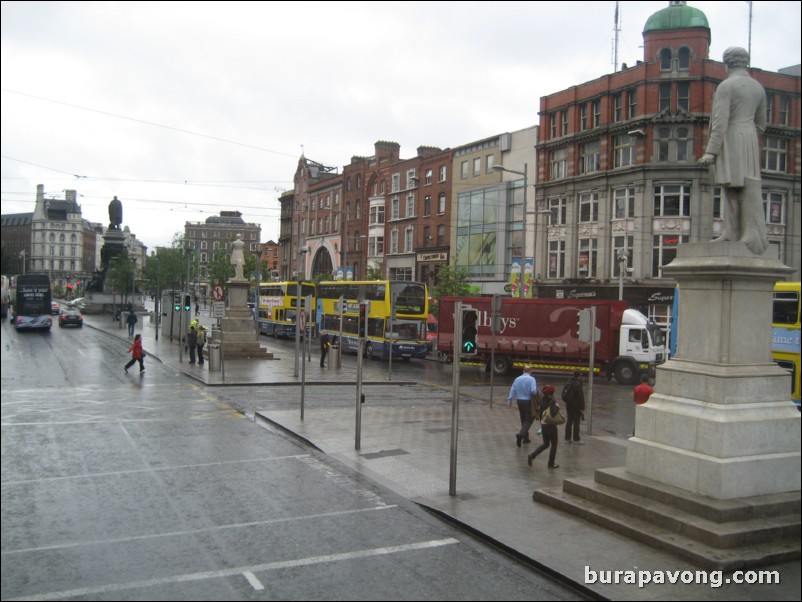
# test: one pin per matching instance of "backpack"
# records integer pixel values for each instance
(567, 390)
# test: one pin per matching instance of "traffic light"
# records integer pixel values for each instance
(364, 307)
(584, 325)
(470, 321)
(177, 302)
(187, 303)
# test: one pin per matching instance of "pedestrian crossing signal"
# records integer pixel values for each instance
(187, 303)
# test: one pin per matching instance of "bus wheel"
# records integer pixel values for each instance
(368, 350)
(501, 365)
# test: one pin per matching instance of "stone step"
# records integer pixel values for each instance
(644, 531)
(728, 534)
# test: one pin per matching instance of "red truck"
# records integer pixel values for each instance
(542, 333)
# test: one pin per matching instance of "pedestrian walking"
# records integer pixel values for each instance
(325, 343)
(192, 343)
(548, 405)
(131, 320)
(201, 343)
(197, 308)
(137, 354)
(524, 389)
(574, 399)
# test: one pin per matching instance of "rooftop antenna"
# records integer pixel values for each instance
(616, 30)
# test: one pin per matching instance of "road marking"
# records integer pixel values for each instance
(255, 583)
(268, 566)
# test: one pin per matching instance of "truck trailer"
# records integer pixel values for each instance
(543, 333)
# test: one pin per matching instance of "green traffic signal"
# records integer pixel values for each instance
(470, 321)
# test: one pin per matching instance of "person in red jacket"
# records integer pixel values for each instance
(643, 391)
(137, 354)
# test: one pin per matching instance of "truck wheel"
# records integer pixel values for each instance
(501, 365)
(625, 373)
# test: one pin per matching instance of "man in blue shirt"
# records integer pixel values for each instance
(523, 389)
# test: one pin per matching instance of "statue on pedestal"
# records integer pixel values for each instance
(238, 257)
(733, 151)
(115, 214)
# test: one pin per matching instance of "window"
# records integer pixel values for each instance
(665, 251)
(665, 59)
(490, 160)
(785, 103)
(411, 178)
(559, 163)
(588, 207)
(684, 95)
(410, 205)
(395, 183)
(377, 214)
(769, 107)
(477, 166)
(672, 200)
(624, 150)
(618, 107)
(443, 173)
(663, 135)
(684, 58)
(682, 144)
(625, 245)
(556, 259)
(717, 196)
(583, 117)
(672, 144)
(633, 104)
(375, 245)
(589, 157)
(564, 120)
(428, 176)
(441, 235)
(558, 209)
(774, 207)
(395, 209)
(624, 199)
(664, 102)
(586, 264)
(463, 170)
(401, 273)
(553, 122)
(441, 203)
(774, 153)
(427, 205)
(596, 113)
(409, 237)
(394, 241)
(427, 236)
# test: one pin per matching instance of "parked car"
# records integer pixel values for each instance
(55, 308)
(71, 317)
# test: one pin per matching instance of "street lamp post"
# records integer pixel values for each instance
(534, 252)
(526, 185)
(623, 255)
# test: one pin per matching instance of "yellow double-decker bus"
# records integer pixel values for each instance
(403, 331)
(785, 331)
(277, 306)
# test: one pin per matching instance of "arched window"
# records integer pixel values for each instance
(665, 59)
(684, 57)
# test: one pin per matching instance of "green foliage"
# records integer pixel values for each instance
(375, 272)
(451, 282)
(120, 276)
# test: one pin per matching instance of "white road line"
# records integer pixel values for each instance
(255, 583)
(269, 566)
(272, 521)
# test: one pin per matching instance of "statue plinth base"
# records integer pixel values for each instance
(719, 433)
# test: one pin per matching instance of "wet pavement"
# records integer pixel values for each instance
(406, 447)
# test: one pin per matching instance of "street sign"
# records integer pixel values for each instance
(217, 293)
(218, 309)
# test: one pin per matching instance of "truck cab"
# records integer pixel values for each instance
(641, 345)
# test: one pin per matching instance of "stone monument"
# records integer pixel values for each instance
(713, 474)
(240, 337)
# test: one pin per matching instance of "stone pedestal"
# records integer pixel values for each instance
(240, 338)
(713, 474)
(721, 422)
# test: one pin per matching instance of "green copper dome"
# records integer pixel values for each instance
(677, 16)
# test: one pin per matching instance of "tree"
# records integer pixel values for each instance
(451, 282)
(375, 271)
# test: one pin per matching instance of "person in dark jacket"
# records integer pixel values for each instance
(548, 431)
(574, 400)
(192, 343)
(131, 320)
(325, 343)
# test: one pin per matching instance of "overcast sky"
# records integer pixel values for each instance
(184, 109)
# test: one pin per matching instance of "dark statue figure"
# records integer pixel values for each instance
(115, 214)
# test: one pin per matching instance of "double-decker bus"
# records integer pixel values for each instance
(32, 302)
(403, 331)
(277, 306)
(785, 331)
